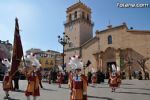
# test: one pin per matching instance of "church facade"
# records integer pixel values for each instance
(115, 45)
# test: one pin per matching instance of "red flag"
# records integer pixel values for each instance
(17, 50)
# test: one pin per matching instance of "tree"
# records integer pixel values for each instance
(129, 62)
(142, 62)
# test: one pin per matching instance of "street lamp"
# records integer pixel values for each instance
(64, 40)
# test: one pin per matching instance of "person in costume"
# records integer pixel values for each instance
(16, 80)
(7, 82)
(70, 78)
(94, 77)
(49, 76)
(39, 73)
(78, 89)
(59, 79)
(59, 76)
(32, 77)
(113, 83)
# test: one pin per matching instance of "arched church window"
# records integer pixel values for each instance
(75, 14)
(109, 39)
(70, 17)
(87, 16)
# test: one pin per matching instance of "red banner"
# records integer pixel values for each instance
(17, 50)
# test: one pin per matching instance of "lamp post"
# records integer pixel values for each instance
(64, 40)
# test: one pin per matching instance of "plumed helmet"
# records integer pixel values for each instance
(113, 68)
(6, 63)
(60, 68)
(31, 60)
(28, 61)
(75, 62)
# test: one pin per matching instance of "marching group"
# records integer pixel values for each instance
(75, 78)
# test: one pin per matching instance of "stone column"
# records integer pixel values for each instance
(101, 61)
(97, 62)
(118, 58)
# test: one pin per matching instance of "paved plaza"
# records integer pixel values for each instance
(129, 90)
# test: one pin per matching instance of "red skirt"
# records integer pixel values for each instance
(7, 86)
(35, 93)
(33, 88)
(113, 83)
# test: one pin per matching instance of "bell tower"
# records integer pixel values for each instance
(78, 27)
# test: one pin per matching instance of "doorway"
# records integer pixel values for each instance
(109, 68)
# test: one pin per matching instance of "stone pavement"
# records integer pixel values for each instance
(129, 90)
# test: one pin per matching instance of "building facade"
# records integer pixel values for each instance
(48, 59)
(113, 45)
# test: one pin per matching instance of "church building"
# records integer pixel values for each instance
(117, 45)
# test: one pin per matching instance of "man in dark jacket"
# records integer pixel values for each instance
(16, 80)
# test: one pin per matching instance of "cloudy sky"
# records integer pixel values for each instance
(41, 21)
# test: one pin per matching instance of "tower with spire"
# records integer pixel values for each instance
(78, 27)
